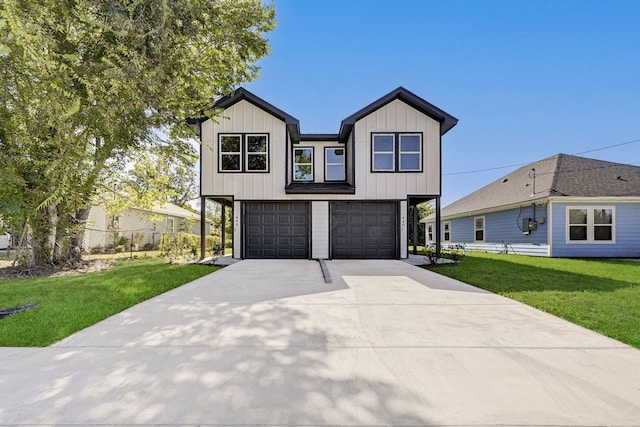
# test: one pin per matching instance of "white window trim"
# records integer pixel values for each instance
(172, 228)
(444, 239)
(297, 163)
(327, 164)
(255, 153)
(484, 229)
(374, 152)
(590, 226)
(221, 153)
(400, 152)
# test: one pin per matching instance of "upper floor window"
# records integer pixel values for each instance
(243, 153)
(590, 225)
(303, 164)
(478, 228)
(391, 152)
(334, 164)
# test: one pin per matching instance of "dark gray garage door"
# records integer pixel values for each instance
(363, 230)
(276, 230)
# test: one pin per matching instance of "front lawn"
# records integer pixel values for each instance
(67, 304)
(602, 295)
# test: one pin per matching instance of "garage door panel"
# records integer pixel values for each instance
(277, 230)
(364, 230)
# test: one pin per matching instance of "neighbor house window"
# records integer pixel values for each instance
(303, 164)
(397, 151)
(447, 231)
(430, 232)
(478, 228)
(243, 153)
(590, 225)
(334, 164)
(170, 225)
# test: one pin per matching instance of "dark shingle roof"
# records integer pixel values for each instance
(561, 175)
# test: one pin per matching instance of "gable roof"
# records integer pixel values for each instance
(293, 125)
(446, 120)
(562, 175)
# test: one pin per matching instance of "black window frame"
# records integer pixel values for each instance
(294, 163)
(244, 152)
(344, 164)
(397, 153)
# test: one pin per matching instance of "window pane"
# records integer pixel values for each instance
(577, 216)
(230, 144)
(383, 143)
(303, 173)
(578, 232)
(256, 143)
(603, 232)
(410, 162)
(383, 162)
(230, 162)
(410, 143)
(303, 155)
(335, 173)
(602, 216)
(447, 236)
(257, 162)
(335, 155)
(479, 235)
(479, 223)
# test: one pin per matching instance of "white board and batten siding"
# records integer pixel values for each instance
(244, 117)
(397, 117)
(320, 229)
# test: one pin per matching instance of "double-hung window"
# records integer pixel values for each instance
(447, 231)
(396, 152)
(303, 164)
(243, 153)
(334, 169)
(590, 225)
(429, 232)
(478, 228)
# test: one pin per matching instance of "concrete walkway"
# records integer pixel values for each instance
(268, 343)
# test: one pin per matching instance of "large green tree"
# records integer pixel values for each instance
(85, 84)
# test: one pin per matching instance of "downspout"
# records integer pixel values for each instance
(437, 230)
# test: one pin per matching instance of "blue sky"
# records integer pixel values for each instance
(526, 79)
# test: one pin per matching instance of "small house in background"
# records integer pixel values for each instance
(561, 206)
(143, 228)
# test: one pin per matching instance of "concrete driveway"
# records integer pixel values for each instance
(268, 343)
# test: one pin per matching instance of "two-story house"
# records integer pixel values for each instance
(322, 196)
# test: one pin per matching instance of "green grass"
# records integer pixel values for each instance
(67, 304)
(602, 295)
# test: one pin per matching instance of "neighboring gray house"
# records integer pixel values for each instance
(342, 195)
(561, 206)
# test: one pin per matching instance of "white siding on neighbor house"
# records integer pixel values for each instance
(244, 117)
(397, 117)
(320, 230)
(96, 227)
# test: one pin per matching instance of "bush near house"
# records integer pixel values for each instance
(600, 294)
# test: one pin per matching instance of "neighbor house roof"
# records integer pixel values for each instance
(172, 210)
(446, 120)
(562, 175)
